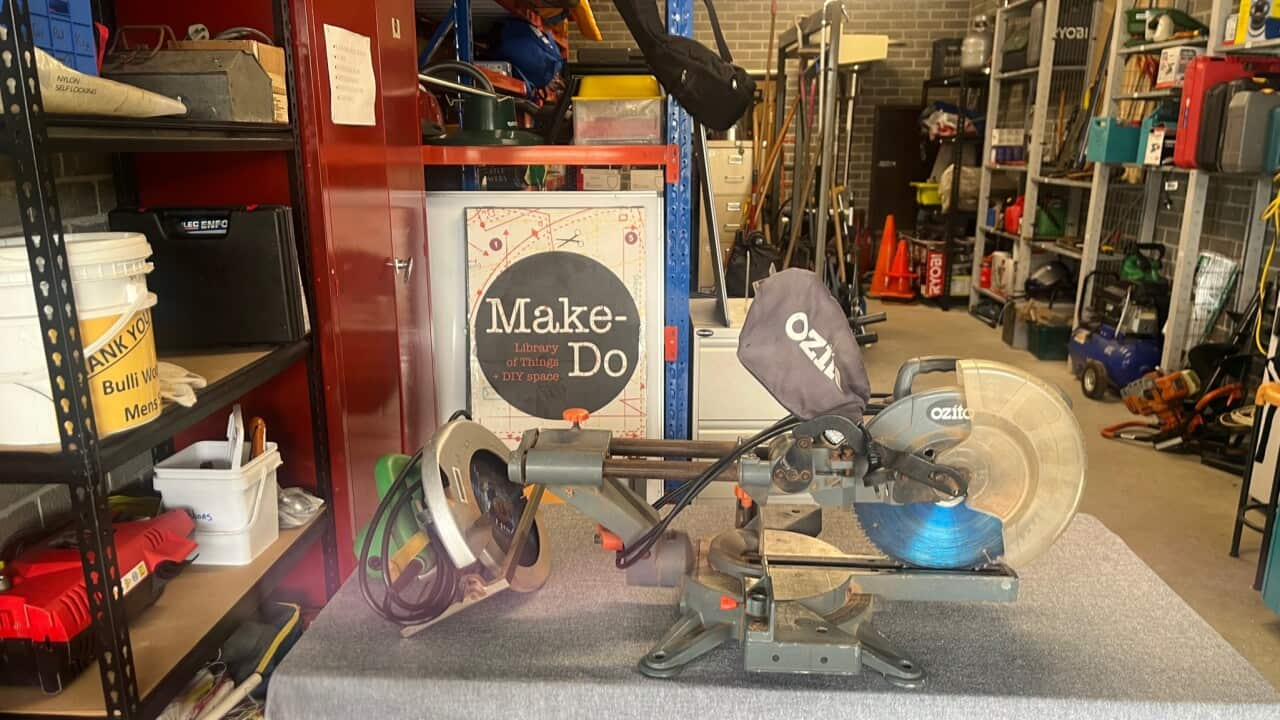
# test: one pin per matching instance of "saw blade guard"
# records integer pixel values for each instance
(1022, 448)
(1025, 453)
(473, 506)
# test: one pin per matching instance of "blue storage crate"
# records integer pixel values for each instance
(59, 35)
(65, 30)
(82, 40)
(40, 31)
(1111, 141)
(87, 65)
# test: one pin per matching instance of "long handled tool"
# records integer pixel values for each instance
(767, 113)
(837, 221)
(755, 202)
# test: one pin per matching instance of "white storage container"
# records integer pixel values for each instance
(235, 509)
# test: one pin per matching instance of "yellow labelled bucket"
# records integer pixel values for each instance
(109, 280)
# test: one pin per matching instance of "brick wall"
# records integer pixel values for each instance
(85, 194)
(912, 24)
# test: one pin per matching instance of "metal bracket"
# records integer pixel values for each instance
(888, 464)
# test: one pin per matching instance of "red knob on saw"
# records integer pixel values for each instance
(577, 416)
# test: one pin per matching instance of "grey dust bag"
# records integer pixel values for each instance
(797, 342)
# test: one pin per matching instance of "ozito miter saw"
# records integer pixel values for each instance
(955, 486)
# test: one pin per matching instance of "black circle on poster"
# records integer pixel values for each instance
(557, 330)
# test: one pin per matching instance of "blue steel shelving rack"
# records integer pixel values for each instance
(679, 230)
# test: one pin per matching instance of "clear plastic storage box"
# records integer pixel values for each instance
(617, 121)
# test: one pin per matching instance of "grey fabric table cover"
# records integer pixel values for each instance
(1095, 633)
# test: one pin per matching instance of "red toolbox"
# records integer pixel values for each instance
(1203, 73)
(46, 637)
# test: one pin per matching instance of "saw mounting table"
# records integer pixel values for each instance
(1094, 633)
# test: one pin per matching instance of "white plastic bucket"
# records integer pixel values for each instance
(109, 280)
(235, 509)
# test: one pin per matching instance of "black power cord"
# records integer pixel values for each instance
(393, 605)
(426, 603)
(684, 495)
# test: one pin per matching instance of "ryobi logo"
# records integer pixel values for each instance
(950, 413)
(813, 345)
(1072, 32)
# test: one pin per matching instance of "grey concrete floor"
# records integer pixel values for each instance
(1175, 513)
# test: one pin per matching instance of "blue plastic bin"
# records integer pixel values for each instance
(1111, 141)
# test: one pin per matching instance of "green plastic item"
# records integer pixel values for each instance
(1136, 21)
(1144, 265)
(1051, 219)
(488, 121)
(403, 526)
(1048, 342)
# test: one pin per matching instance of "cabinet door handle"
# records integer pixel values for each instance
(402, 266)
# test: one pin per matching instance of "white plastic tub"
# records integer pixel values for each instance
(236, 510)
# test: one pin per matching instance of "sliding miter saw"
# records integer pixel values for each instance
(953, 486)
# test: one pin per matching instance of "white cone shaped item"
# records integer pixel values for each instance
(68, 92)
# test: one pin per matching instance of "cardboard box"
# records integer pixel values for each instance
(1173, 65)
(647, 179)
(1002, 272)
(856, 48)
(1253, 27)
(270, 57)
(1008, 136)
(609, 179)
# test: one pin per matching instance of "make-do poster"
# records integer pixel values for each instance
(556, 310)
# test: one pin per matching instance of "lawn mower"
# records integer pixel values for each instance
(1118, 340)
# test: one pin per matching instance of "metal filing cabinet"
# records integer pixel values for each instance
(728, 402)
(730, 162)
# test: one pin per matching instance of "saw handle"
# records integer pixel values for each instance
(919, 366)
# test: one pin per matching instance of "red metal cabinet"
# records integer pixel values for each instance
(367, 210)
(398, 89)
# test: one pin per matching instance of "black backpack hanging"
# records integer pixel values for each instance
(714, 91)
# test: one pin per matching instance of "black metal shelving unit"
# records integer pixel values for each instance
(83, 460)
(955, 221)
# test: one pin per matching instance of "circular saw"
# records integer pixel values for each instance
(1015, 440)
(451, 529)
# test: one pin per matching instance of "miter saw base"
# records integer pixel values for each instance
(802, 606)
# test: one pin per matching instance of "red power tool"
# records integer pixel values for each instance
(46, 637)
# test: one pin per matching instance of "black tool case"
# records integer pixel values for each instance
(225, 277)
(1213, 117)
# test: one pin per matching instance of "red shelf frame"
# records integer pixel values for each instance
(666, 156)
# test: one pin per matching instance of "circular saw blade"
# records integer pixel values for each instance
(1024, 453)
(931, 534)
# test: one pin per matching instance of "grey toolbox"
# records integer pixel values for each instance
(225, 85)
(1245, 131)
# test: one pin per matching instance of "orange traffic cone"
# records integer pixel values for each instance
(901, 279)
(880, 280)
